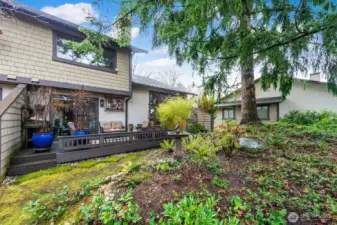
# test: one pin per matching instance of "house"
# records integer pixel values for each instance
(32, 54)
(305, 95)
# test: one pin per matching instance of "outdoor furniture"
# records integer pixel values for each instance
(72, 128)
(130, 127)
(112, 126)
(145, 124)
(139, 127)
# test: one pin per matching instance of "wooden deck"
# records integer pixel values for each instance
(75, 148)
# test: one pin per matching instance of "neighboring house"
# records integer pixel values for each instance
(305, 95)
(32, 54)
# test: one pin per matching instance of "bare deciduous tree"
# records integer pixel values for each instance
(170, 77)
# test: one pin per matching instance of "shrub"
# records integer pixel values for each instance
(227, 136)
(196, 128)
(309, 117)
(176, 110)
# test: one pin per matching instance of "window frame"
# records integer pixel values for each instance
(228, 108)
(268, 112)
(68, 61)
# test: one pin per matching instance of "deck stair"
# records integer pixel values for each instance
(29, 161)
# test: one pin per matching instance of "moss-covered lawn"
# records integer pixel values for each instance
(15, 196)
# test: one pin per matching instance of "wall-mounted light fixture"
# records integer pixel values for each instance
(11, 77)
(101, 102)
(35, 80)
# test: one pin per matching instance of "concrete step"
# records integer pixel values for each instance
(32, 158)
(29, 167)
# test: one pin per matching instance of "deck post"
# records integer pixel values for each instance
(61, 145)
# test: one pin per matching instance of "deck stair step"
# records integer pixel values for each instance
(32, 158)
(29, 167)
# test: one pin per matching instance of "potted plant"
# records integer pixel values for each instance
(174, 111)
(81, 107)
(40, 101)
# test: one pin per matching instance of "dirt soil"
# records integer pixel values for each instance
(163, 188)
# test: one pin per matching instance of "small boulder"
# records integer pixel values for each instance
(251, 143)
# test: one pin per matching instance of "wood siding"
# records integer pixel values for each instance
(11, 129)
(27, 50)
(202, 117)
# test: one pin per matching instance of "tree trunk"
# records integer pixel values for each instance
(248, 103)
(248, 99)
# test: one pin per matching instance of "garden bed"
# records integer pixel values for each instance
(296, 174)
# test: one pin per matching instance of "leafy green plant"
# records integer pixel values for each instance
(177, 177)
(227, 136)
(201, 147)
(173, 111)
(192, 209)
(48, 208)
(167, 164)
(167, 144)
(118, 211)
(220, 182)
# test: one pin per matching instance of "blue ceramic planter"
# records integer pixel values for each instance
(80, 133)
(42, 141)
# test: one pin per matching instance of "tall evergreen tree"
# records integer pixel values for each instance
(281, 37)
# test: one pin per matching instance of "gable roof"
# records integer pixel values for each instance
(45, 18)
(149, 82)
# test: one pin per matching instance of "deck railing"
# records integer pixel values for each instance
(72, 143)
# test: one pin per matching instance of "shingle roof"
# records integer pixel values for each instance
(149, 82)
(259, 101)
(46, 18)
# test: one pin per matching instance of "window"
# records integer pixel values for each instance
(263, 112)
(155, 98)
(228, 114)
(64, 54)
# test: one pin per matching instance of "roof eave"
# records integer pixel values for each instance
(165, 89)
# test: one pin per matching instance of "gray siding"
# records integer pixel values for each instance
(11, 129)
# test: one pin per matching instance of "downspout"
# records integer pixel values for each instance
(130, 87)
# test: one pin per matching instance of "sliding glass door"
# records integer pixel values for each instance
(63, 114)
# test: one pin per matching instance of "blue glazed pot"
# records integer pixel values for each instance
(42, 141)
(80, 133)
(87, 131)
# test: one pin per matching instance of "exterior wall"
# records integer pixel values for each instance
(27, 49)
(312, 96)
(11, 132)
(6, 89)
(108, 115)
(138, 110)
(202, 117)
